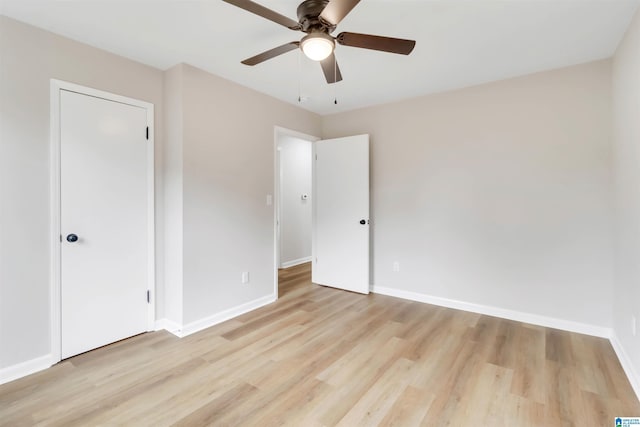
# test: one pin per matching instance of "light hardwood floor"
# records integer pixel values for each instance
(320, 356)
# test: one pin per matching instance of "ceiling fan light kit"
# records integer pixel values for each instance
(317, 46)
(318, 19)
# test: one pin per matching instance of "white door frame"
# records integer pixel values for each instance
(55, 280)
(279, 132)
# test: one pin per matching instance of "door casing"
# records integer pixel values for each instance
(279, 132)
(55, 275)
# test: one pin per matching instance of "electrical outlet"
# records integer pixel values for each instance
(633, 325)
(396, 266)
(245, 277)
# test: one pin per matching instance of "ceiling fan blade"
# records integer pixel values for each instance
(385, 44)
(336, 10)
(330, 69)
(266, 13)
(271, 53)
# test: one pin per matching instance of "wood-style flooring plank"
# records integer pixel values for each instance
(322, 357)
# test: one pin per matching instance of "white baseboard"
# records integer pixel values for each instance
(198, 325)
(23, 369)
(29, 367)
(38, 364)
(535, 319)
(625, 361)
(168, 325)
(295, 262)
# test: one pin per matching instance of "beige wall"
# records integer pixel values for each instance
(497, 195)
(626, 168)
(228, 173)
(30, 58)
(172, 172)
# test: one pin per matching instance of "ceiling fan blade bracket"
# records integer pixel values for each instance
(327, 25)
(308, 13)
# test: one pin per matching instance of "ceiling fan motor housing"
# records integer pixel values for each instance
(309, 16)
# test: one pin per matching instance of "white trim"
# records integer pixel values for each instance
(277, 195)
(295, 262)
(278, 132)
(55, 87)
(198, 325)
(167, 325)
(314, 216)
(23, 369)
(535, 319)
(627, 365)
(151, 216)
(54, 200)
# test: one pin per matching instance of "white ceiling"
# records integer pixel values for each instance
(459, 43)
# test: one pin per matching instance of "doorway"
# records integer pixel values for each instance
(340, 253)
(293, 200)
(102, 218)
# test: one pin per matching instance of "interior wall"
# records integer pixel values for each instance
(496, 195)
(172, 171)
(30, 57)
(295, 211)
(228, 172)
(626, 172)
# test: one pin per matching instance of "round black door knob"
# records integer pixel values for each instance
(72, 238)
(363, 222)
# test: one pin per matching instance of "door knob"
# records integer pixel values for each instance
(363, 222)
(72, 238)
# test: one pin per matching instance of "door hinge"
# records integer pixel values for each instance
(316, 157)
(148, 297)
(147, 132)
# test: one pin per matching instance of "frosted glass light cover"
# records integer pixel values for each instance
(317, 47)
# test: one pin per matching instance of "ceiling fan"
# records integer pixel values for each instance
(319, 18)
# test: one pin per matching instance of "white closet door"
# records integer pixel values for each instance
(104, 223)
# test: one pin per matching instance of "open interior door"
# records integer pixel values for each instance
(341, 213)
